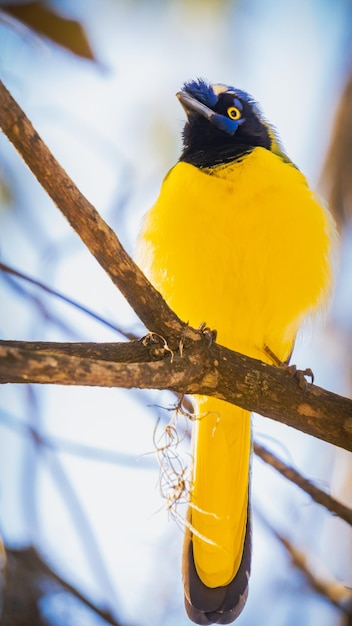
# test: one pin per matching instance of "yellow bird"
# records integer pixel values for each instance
(236, 238)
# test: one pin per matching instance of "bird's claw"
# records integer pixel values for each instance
(301, 375)
(208, 333)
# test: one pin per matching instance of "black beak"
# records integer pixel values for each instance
(191, 104)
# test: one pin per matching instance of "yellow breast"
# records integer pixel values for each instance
(243, 246)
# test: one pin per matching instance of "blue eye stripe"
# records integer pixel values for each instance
(226, 124)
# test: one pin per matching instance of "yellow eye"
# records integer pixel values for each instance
(234, 113)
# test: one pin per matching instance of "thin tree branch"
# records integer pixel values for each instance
(79, 450)
(99, 238)
(215, 371)
(13, 272)
(332, 590)
(318, 495)
(28, 562)
(81, 522)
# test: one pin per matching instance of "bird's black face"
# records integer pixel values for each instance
(223, 124)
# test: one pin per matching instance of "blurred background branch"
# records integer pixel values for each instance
(43, 18)
(336, 176)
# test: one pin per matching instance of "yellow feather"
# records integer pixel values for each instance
(245, 247)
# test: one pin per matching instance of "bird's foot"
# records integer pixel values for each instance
(300, 375)
(209, 334)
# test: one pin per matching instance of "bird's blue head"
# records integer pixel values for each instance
(223, 123)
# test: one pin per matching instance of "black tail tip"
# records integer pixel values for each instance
(216, 617)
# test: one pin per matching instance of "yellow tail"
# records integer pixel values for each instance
(219, 497)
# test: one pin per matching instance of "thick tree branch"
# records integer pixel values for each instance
(214, 370)
(99, 238)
